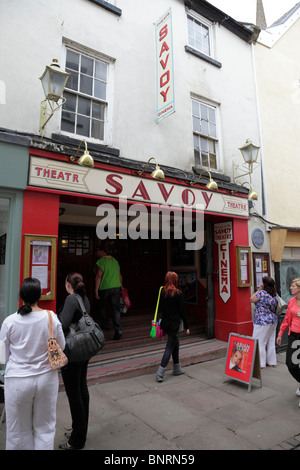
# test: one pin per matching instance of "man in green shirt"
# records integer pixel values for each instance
(108, 284)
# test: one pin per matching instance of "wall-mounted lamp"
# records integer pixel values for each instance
(85, 159)
(158, 174)
(252, 194)
(210, 185)
(53, 81)
(249, 152)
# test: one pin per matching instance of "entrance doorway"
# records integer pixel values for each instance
(143, 263)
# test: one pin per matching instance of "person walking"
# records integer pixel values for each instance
(108, 285)
(74, 374)
(31, 387)
(265, 321)
(292, 323)
(173, 312)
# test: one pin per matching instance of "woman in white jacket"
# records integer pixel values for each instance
(31, 387)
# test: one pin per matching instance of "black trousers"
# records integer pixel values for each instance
(75, 381)
(172, 348)
(293, 355)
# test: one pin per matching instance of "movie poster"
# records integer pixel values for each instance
(240, 357)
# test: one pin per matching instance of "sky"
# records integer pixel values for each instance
(245, 10)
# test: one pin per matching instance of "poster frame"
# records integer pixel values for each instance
(240, 250)
(45, 240)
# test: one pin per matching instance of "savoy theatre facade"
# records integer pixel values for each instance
(68, 207)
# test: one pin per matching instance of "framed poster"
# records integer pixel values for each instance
(40, 262)
(243, 260)
(242, 359)
(261, 268)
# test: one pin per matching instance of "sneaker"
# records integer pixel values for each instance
(298, 392)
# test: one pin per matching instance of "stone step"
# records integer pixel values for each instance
(108, 366)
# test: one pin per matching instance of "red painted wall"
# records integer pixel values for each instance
(40, 217)
(235, 315)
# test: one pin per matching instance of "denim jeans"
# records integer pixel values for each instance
(172, 348)
(112, 296)
(74, 377)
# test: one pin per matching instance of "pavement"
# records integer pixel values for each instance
(200, 410)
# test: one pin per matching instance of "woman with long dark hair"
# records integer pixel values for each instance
(171, 306)
(31, 387)
(75, 373)
(265, 321)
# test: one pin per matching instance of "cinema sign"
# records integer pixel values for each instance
(165, 98)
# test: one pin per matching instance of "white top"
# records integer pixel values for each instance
(26, 338)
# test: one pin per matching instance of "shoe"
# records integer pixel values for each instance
(66, 446)
(160, 374)
(298, 392)
(117, 336)
(177, 369)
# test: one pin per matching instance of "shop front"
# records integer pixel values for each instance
(150, 226)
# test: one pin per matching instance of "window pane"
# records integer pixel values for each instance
(195, 108)
(72, 82)
(83, 126)
(204, 112)
(213, 161)
(97, 129)
(196, 124)
(70, 104)
(204, 127)
(72, 61)
(98, 110)
(204, 144)
(86, 85)
(100, 70)
(87, 66)
(100, 90)
(211, 115)
(197, 156)
(68, 122)
(212, 130)
(204, 159)
(211, 146)
(84, 106)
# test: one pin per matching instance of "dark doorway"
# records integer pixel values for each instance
(143, 264)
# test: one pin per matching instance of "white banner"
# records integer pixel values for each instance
(223, 237)
(165, 98)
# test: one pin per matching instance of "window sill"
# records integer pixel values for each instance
(203, 56)
(108, 6)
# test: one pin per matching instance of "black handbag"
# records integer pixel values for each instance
(85, 338)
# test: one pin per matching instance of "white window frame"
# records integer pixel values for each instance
(199, 19)
(210, 138)
(108, 115)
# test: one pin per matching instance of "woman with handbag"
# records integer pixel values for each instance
(292, 322)
(75, 373)
(31, 387)
(265, 321)
(172, 307)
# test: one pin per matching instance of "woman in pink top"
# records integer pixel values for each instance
(292, 321)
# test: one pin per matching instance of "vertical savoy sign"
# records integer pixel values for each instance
(165, 100)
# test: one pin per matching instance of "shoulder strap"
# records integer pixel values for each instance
(50, 325)
(81, 303)
(157, 304)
